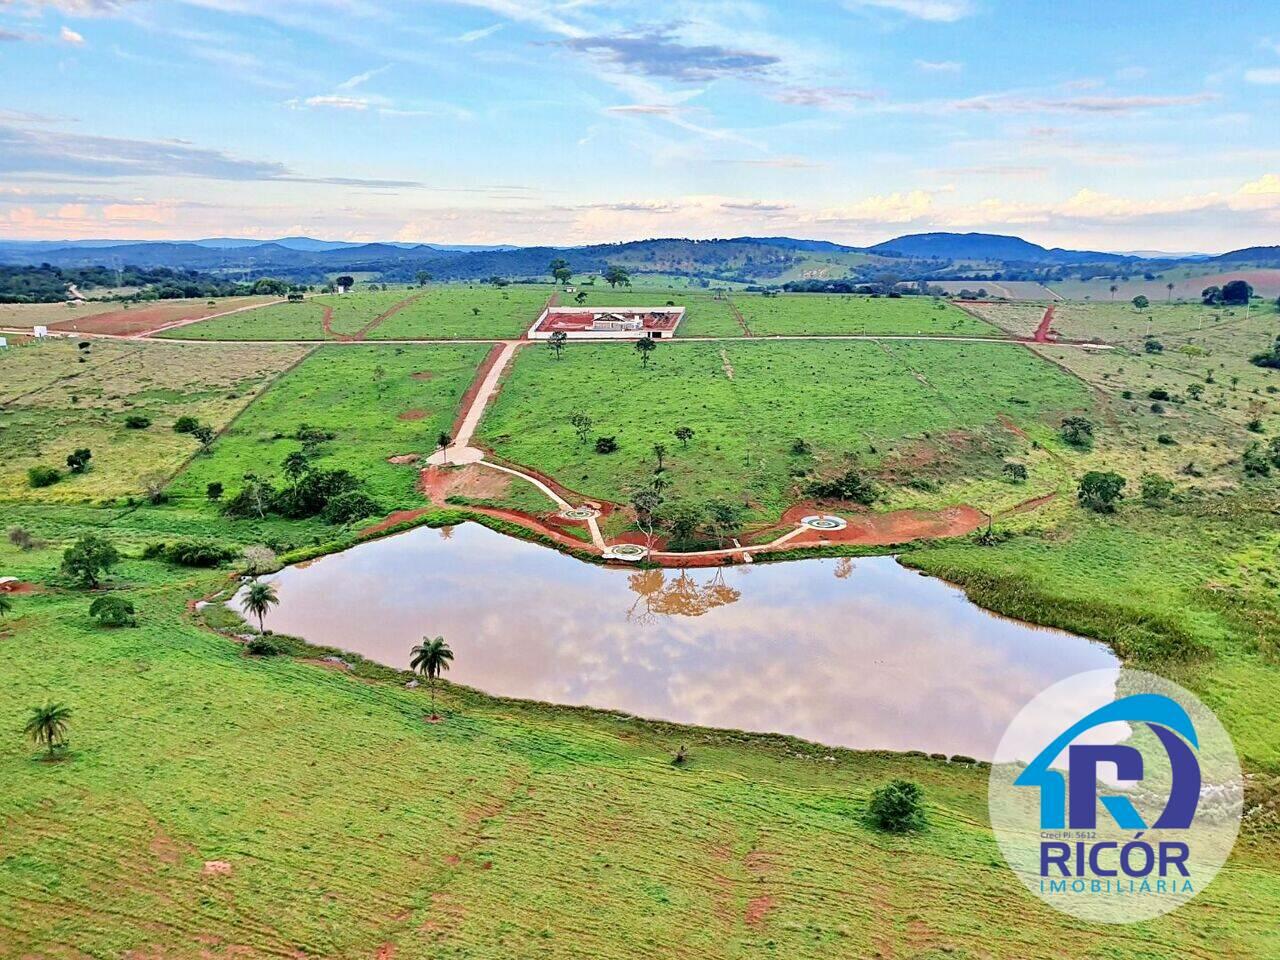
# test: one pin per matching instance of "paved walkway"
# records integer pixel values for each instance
(461, 451)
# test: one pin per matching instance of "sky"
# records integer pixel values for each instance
(1116, 126)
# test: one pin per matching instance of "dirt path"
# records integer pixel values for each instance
(387, 315)
(474, 402)
(724, 359)
(1043, 332)
(174, 324)
(737, 315)
(326, 323)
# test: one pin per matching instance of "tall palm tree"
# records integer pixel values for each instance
(48, 725)
(431, 658)
(260, 598)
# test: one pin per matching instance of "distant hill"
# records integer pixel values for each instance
(1269, 255)
(987, 247)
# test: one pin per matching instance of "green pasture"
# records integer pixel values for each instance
(466, 312)
(821, 313)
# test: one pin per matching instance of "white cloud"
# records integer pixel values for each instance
(335, 102)
(471, 36)
(943, 11)
(362, 78)
(67, 35)
(1267, 76)
(939, 66)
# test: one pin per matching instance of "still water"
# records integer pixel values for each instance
(856, 653)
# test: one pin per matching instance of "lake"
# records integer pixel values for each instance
(859, 653)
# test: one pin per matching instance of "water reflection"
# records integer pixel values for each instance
(852, 653)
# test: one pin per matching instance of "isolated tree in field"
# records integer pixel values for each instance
(1169, 287)
(258, 600)
(614, 275)
(1114, 288)
(423, 278)
(646, 502)
(659, 451)
(379, 376)
(89, 559)
(581, 424)
(1100, 491)
(557, 342)
(684, 435)
(475, 311)
(214, 491)
(431, 658)
(47, 725)
(560, 270)
(898, 807)
(580, 297)
(1077, 431)
(442, 444)
(1017, 472)
(112, 611)
(1140, 302)
(644, 347)
(1236, 292)
(1156, 489)
(78, 460)
(204, 434)
(345, 282)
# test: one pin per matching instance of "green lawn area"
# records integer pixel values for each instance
(53, 404)
(466, 311)
(298, 321)
(821, 313)
(214, 804)
(864, 399)
(338, 389)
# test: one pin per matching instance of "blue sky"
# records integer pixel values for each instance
(1110, 126)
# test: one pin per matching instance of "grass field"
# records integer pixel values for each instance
(47, 314)
(705, 315)
(818, 313)
(748, 401)
(338, 389)
(350, 313)
(53, 404)
(449, 311)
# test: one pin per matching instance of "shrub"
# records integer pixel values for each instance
(1153, 346)
(1254, 425)
(112, 611)
(88, 559)
(850, 485)
(1165, 440)
(1155, 488)
(23, 539)
(606, 444)
(185, 424)
(136, 421)
(898, 807)
(214, 491)
(261, 646)
(1100, 491)
(43, 476)
(197, 553)
(353, 505)
(1017, 472)
(1159, 393)
(1077, 431)
(1255, 462)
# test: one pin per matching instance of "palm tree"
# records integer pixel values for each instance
(442, 444)
(645, 346)
(48, 725)
(260, 598)
(431, 658)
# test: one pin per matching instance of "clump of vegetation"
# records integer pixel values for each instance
(264, 646)
(113, 611)
(606, 444)
(137, 421)
(1269, 358)
(1255, 461)
(185, 424)
(1016, 472)
(214, 491)
(47, 726)
(1077, 431)
(1159, 393)
(851, 486)
(191, 553)
(24, 539)
(259, 598)
(78, 460)
(337, 496)
(1156, 489)
(1100, 491)
(1153, 346)
(43, 476)
(89, 559)
(898, 807)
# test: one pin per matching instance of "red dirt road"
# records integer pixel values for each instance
(1044, 332)
(148, 319)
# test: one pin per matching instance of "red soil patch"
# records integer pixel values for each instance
(326, 321)
(885, 529)
(393, 519)
(146, 319)
(477, 382)
(17, 586)
(364, 331)
(1026, 506)
(758, 909)
(422, 375)
(402, 458)
(414, 414)
(216, 868)
(386, 952)
(1012, 427)
(453, 859)
(471, 481)
(1044, 332)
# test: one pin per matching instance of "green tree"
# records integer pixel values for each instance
(659, 451)
(560, 270)
(1141, 302)
(723, 518)
(431, 658)
(898, 807)
(204, 434)
(580, 297)
(681, 521)
(423, 278)
(582, 425)
(614, 275)
(88, 559)
(645, 346)
(78, 460)
(1169, 287)
(1100, 490)
(1155, 489)
(113, 611)
(47, 725)
(1077, 431)
(646, 502)
(258, 599)
(684, 435)
(214, 491)
(295, 466)
(442, 444)
(557, 341)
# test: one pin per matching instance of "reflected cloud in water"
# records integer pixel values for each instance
(857, 653)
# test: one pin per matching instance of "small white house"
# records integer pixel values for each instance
(40, 332)
(4, 342)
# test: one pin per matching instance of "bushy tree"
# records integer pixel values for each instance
(898, 807)
(113, 611)
(89, 559)
(1101, 490)
(1077, 431)
(43, 476)
(1156, 489)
